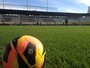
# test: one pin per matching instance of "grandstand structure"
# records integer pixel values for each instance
(32, 17)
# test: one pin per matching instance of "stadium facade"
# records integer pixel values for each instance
(32, 17)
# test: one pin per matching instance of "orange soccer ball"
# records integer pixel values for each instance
(24, 52)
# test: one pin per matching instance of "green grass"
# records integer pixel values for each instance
(66, 46)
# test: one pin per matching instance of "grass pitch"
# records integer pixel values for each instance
(66, 46)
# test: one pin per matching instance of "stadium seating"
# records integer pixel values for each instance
(85, 21)
(41, 22)
(48, 21)
(8, 19)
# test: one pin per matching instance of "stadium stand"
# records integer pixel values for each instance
(48, 21)
(85, 21)
(41, 22)
(58, 21)
(25, 20)
(23, 17)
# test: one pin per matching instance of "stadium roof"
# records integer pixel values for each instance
(36, 13)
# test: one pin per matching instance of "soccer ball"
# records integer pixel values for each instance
(24, 52)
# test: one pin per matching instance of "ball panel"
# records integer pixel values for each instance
(6, 53)
(14, 41)
(21, 62)
(12, 55)
(30, 53)
(21, 45)
(15, 63)
(39, 61)
(31, 39)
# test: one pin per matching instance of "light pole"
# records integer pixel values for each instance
(27, 4)
(3, 4)
(47, 5)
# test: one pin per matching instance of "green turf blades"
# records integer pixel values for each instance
(66, 46)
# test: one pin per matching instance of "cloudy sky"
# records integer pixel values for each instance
(76, 6)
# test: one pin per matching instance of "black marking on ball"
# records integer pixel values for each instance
(6, 52)
(30, 53)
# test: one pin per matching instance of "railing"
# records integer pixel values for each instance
(28, 8)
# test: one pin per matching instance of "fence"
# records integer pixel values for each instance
(28, 8)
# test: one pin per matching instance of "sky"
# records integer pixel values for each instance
(72, 6)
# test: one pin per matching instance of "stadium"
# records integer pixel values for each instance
(67, 43)
(37, 15)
